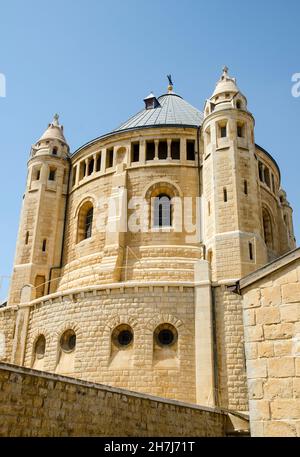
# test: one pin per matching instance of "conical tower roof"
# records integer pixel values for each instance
(54, 131)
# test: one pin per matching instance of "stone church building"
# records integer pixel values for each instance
(131, 250)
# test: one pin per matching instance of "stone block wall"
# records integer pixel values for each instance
(272, 335)
(34, 403)
(93, 314)
(7, 329)
(232, 382)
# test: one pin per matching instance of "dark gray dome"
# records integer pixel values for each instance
(171, 111)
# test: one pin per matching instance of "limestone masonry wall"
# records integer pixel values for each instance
(232, 381)
(272, 335)
(93, 315)
(33, 403)
(7, 326)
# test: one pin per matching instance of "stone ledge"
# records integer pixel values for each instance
(118, 285)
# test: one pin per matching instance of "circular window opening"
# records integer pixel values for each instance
(68, 341)
(122, 336)
(166, 335)
(125, 337)
(40, 347)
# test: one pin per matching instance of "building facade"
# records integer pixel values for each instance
(128, 248)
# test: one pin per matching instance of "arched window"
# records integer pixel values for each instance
(122, 336)
(68, 341)
(52, 174)
(267, 227)
(238, 104)
(88, 223)
(85, 221)
(55, 151)
(162, 211)
(40, 347)
(165, 335)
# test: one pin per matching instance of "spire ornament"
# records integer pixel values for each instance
(56, 120)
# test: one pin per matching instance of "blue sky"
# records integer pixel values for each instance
(93, 61)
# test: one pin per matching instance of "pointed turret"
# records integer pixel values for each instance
(52, 141)
(226, 95)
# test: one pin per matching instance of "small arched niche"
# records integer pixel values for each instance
(39, 350)
(165, 346)
(121, 348)
(66, 352)
(121, 156)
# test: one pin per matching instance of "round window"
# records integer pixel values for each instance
(68, 341)
(166, 335)
(40, 347)
(122, 336)
(125, 337)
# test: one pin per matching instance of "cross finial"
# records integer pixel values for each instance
(56, 119)
(170, 80)
(225, 69)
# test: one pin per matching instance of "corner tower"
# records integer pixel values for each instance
(40, 237)
(233, 232)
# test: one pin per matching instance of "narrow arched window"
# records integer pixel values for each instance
(245, 187)
(250, 247)
(162, 211)
(225, 194)
(27, 238)
(267, 228)
(85, 221)
(55, 151)
(88, 223)
(52, 174)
